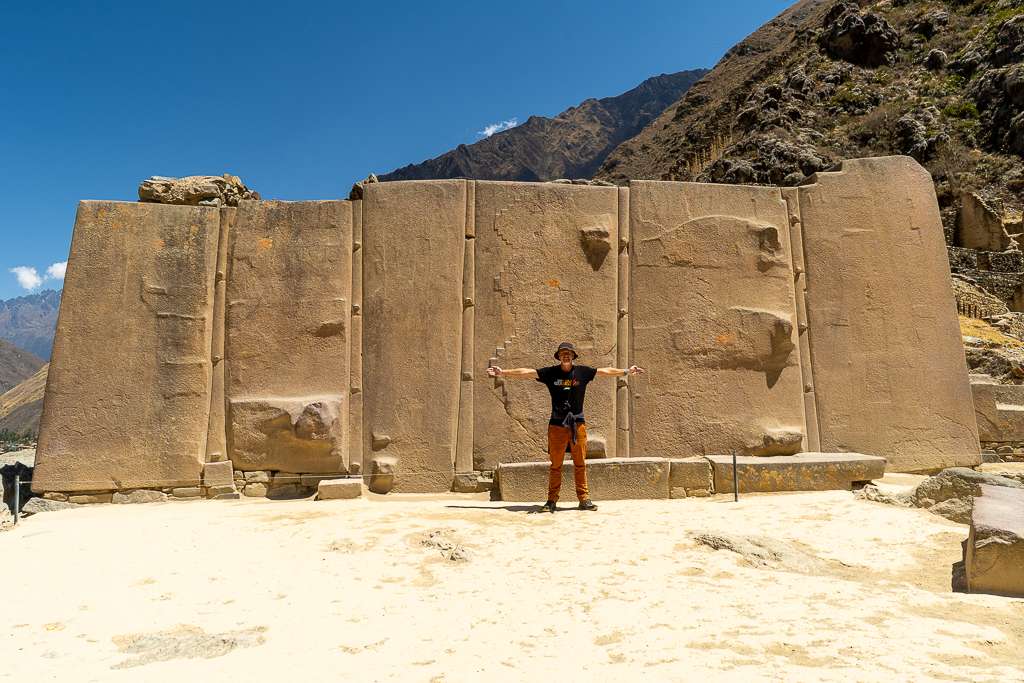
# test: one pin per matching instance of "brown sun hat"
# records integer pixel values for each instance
(566, 345)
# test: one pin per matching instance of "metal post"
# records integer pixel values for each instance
(17, 497)
(735, 480)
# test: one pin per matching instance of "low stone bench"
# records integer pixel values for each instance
(994, 551)
(657, 478)
(608, 479)
(801, 472)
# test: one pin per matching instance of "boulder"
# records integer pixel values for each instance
(865, 39)
(951, 492)
(356, 193)
(935, 60)
(196, 190)
(382, 474)
(256, 490)
(37, 505)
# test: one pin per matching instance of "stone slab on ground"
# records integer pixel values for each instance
(471, 482)
(994, 552)
(690, 477)
(1010, 470)
(609, 479)
(339, 489)
(37, 505)
(139, 496)
(803, 472)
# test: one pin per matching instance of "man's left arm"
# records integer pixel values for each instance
(620, 372)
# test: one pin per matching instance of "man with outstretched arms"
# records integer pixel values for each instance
(567, 384)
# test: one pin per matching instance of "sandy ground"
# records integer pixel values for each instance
(366, 591)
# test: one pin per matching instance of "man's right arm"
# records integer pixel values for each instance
(515, 373)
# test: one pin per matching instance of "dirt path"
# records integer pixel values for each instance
(816, 587)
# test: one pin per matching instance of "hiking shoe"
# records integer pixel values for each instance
(587, 505)
(548, 506)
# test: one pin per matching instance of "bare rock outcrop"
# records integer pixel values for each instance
(196, 190)
(865, 39)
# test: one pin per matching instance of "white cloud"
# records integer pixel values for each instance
(56, 271)
(28, 277)
(490, 130)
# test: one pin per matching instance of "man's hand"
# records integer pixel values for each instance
(514, 373)
(621, 372)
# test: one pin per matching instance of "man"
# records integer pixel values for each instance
(567, 383)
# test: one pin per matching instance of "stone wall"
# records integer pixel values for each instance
(305, 339)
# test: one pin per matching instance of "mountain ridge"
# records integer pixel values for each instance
(29, 322)
(570, 145)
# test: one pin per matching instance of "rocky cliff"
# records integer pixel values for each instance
(942, 81)
(29, 322)
(570, 145)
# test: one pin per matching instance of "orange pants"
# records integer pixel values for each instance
(558, 438)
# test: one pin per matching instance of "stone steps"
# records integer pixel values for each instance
(662, 478)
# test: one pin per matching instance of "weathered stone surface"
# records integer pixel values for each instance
(998, 409)
(287, 491)
(187, 492)
(90, 498)
(413, 251)
(108, 406)
(545, 271)
(383, 474)
(215, 491)
(868, 230)
(952, 492)
(256, 490)
(218, 474)
(37, 505)
(714, 312)
(288, 374)
(195, 190)
(803, 472)
(339, 489)
(257, 477)
(471, 482)
(980, 225)
(55, 496)
(1009, 470)
(609, 479)
(139, 496)
(690, 477)
(994, 552)
(233, 495)
(305, 434)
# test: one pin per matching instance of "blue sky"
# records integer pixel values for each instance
(300, 100)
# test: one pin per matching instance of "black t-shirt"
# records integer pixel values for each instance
(567, 389)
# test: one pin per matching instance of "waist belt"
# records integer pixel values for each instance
(570, 421)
